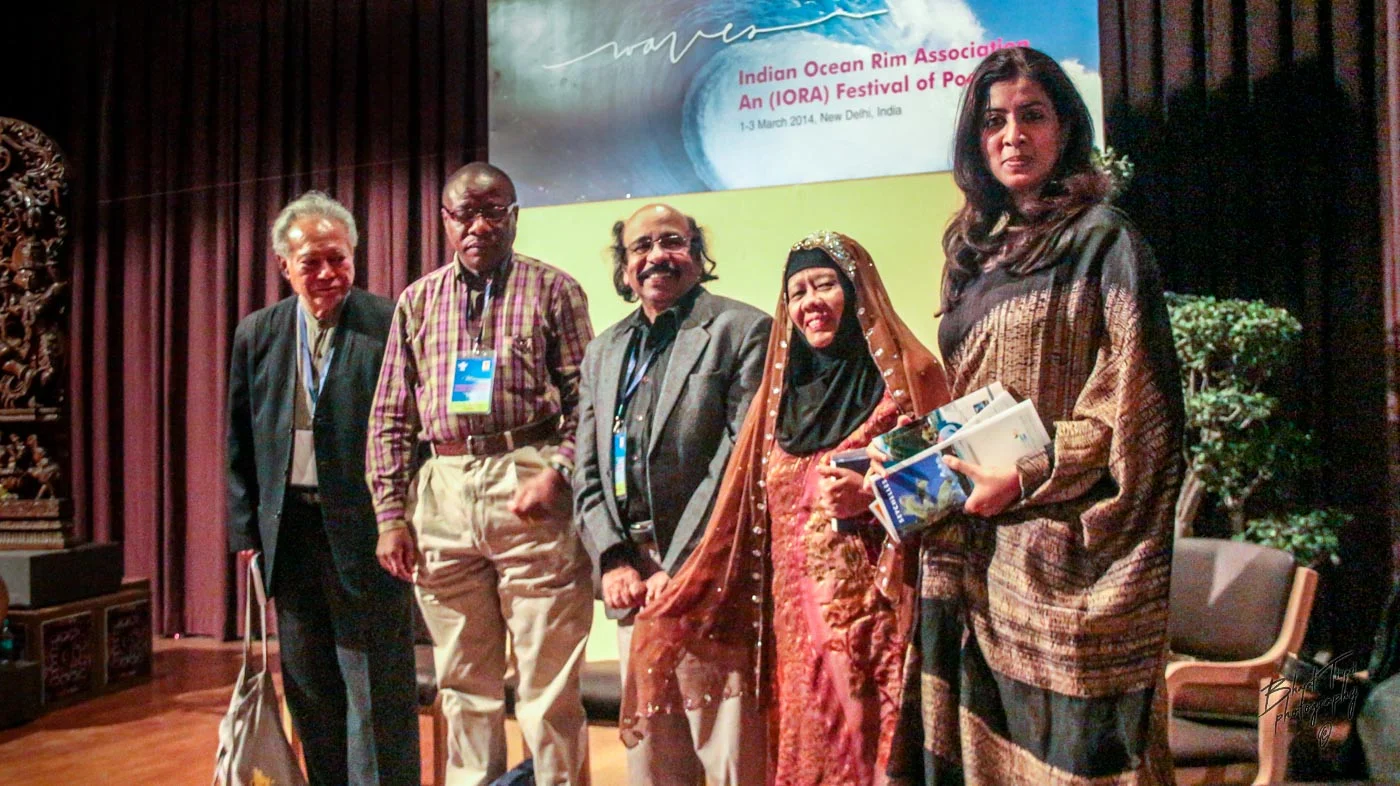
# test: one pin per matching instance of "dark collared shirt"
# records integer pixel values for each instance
(638, 414)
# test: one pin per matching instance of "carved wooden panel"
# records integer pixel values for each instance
(34, 292)
(128, 641)
(66, 648)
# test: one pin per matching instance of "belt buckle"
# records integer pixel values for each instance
(481, 444)
(476, 444)
(641, 531)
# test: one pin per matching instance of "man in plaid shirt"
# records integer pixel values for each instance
(482, 363)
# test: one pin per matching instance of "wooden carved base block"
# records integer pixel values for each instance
(29, 509)
(91, 646)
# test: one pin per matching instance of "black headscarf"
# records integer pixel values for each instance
(828, 392)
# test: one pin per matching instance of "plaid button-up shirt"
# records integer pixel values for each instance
(537, 323)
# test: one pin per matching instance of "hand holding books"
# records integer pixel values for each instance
(840, 489)
(960, 457)
(843, 489)
(993, 488)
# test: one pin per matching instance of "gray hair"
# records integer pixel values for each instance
(312, 203)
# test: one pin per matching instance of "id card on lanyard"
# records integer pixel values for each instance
(635, 374)
(473, 378)
(474, 373)
(303, 470)
(619, 460)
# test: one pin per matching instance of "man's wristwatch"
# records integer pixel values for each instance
(564, 469)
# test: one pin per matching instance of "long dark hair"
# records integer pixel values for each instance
(1074, 186)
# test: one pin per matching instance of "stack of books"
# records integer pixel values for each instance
(987, 427)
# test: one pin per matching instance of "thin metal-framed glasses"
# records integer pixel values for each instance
(668, 242)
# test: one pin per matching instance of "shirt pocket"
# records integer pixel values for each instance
(523, 364)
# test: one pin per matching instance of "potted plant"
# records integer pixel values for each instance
(1238, 442)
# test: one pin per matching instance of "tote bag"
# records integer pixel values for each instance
(252, 748)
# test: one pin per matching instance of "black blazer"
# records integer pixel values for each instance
(262, 383)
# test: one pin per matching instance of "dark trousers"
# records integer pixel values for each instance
(347, 663)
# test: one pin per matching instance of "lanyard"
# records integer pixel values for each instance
(635, 373)
(307, 364)
(485, 308)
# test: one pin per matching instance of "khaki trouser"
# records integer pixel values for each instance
(721, 742)
(484, 573)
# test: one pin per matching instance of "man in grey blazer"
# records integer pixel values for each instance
(301, 380)
(663, 395)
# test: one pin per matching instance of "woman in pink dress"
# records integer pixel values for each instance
(779, 602)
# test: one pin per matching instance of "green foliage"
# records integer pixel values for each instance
(1230, 343)
(1117, 166)
(1312, 538)
(1237, 444)
(1239, 463)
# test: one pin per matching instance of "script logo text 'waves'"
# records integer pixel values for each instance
(725, 34)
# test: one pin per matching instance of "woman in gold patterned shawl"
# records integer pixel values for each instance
(775, 602)
(1039, 654)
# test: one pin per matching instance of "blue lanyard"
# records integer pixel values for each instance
(635, 374)
(314, 391)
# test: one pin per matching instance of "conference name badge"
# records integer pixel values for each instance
(620, 464)
(473, 377)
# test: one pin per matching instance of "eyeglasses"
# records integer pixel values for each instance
(492, 213)
(668, 242)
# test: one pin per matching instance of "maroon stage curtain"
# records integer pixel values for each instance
(188, 125)
(1255, 128)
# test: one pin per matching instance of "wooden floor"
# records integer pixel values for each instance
(166, 732)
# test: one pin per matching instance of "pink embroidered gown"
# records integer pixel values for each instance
(838, 647)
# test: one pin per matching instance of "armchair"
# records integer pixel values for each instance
(1237, 611)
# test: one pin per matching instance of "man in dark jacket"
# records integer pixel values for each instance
(301, 381)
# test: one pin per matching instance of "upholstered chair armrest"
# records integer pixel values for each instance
(1200, 672)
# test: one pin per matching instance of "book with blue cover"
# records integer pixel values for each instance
(912, 438)
(921, 490)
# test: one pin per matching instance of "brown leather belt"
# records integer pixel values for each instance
(500, 442)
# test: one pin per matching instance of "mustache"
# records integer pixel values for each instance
(659, 267)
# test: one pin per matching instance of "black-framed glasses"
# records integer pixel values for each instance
(493, 213)
(668, 242)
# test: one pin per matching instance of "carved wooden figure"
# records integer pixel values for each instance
(34, 291)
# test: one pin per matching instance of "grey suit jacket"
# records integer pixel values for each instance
(262, 384)
(715, 367)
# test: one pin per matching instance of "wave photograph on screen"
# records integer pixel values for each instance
(614, 99)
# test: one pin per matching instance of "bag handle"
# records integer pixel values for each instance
(255, 589)
(228, 728)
